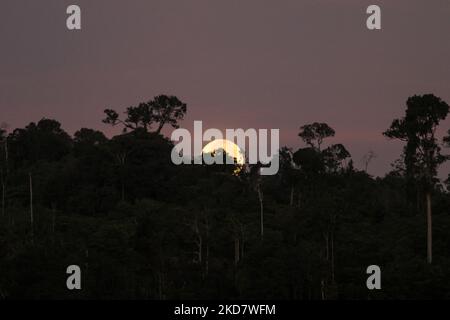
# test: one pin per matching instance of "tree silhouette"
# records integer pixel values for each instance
(167, 110)
(422, 153)
(314, 134)
(334, 156)
(140, 116)
(45, 140)
(161, 110)
(4, 166)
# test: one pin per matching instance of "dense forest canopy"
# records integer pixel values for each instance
(141, 227)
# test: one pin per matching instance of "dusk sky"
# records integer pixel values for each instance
(236, 63)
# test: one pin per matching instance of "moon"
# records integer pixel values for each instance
(228, 146)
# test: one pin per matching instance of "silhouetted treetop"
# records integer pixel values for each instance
(423, 114)
(45, 140)
(334, 155)
(418, 126)
(89, 136)
(314, 134)
(422, 153)
(162, 110)
(167, 110)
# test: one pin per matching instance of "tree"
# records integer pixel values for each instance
(89, 137)
(161, 110)
(288, 172)
(255, 181)
(422, 154)
(45, 140)
(334, 156)
(314, 134)
(31, 207)
(309, 160)
(4, 166)
(136, 117)
(167, 110)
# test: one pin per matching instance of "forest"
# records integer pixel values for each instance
(141, 227)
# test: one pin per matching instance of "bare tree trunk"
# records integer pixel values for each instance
(322, 289)
(429, 230)
(4, 181)
(243, 241)
(291, 203)
(53, 220)
(86, 264)
(198, 241)
(3, 196)
(160, 285)
(332, 257)
(6, 156)
(207, 246)
(207, 260)
(4, 174)
(31, 209)
(236, 250)
(121, 160)
(260, 197)
(327, 248)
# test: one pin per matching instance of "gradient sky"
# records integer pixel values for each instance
(236, 63)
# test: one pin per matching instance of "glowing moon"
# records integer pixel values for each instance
(229, 147)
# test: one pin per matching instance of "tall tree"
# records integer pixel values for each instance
(167, 110)
(140, 116)
(31, 207)
(314, 134)
(422, 154)
(4, 166)
(288, 172)
(161, 110)
(255, 181)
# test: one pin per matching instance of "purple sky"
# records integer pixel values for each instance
(236, 63)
